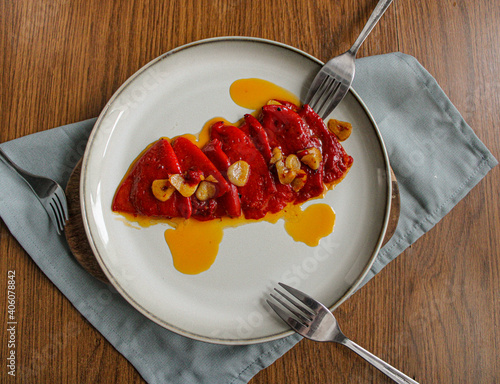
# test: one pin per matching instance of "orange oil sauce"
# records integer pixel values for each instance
(309, 226)
(254, 93)
(193, 244)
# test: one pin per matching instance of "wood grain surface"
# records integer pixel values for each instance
(432, 313)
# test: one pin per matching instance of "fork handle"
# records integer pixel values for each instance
(377, 13)
(381, 365)
(28, 177)
(7, 160)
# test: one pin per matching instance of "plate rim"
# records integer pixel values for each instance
(83, 193)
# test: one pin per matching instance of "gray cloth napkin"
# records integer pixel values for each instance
(436, 157)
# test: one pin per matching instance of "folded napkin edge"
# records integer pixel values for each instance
(271, 355)
(441, 98)
(400, 242)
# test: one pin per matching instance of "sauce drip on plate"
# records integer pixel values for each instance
(310, 225)
(194, 245)
(254, 93)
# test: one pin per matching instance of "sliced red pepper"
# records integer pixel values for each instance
(336, 160)
(121, 201)
(193, 160)
(284, 193)
(229, 203)
(286, 126)
(256, 132)
(314, 186)
(158, 162)
(258, 190)
(288, 104)
(206, 210)
(289, 132)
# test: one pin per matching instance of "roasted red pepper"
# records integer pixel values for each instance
(284, 193)
(229, 202)
(135, 196)
(283, 128)
(253, 129)
(335, 159)
(256, 193)
(289, 132)
(193, 160)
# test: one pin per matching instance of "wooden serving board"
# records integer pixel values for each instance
(79, 245)
(75, 231)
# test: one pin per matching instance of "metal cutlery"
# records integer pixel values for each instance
(313, 320)
(334, 79)
(49, 193)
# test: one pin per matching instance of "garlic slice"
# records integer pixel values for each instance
(206, 190)
(184, 188)
(162, 189)
(311, 157)
(238, 173)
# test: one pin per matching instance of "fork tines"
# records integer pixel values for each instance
(58, 205)
(319, 100)
(303, 307)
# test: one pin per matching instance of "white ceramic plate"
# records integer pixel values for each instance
(176, 94)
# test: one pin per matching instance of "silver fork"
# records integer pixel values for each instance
(334, 79)
(50, 194)
(313, 320)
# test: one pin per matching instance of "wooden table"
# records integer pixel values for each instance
(433, 313)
